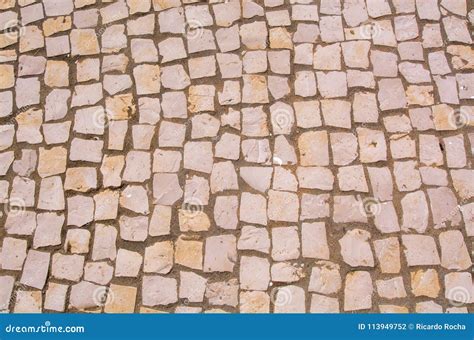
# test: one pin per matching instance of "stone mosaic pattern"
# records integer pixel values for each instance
(236, 156)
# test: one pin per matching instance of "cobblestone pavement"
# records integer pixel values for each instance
(236, 156)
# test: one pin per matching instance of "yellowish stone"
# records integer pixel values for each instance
(106, 205)
(80, 179)
(83, 3)
(387, 252)
(52, 162)
(255, 89)
(4, 4)
(313, 148)
(120, 107)
(254, 302)
(57, 73)
(280, 38)
(463, 183)
(189, 253)
(420, 95)
(8, 55)
(8, 39)
(28, 302)
(163, 4)
(462, 57)
(138, 6)
(29, 124)
(444, 117)
(111, 168)
(201, 98)
(159, 258)
(7, 76)
(147, 79)
(393, 309)
(84, 42)
(31, 39)
(146, 310)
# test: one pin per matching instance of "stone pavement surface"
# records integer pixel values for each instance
(236, 156)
